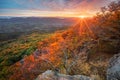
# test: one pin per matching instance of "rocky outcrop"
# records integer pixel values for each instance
(113, 72)
(51, 75)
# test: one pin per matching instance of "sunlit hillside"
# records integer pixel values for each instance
(84, 48)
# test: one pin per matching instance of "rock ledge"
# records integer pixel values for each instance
(50, 75)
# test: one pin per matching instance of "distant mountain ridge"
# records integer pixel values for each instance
(21, 24)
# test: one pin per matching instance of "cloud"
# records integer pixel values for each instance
(57, 5)
(60, 7)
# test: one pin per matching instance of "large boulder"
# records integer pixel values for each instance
(51, 75)
(113, 72)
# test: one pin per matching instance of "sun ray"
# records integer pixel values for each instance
(91, 32)
(81, 27)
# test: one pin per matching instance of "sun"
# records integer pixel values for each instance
(82, 16)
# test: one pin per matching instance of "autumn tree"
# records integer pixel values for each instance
(109, 22)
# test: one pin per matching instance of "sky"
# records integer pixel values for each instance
(51, 8)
